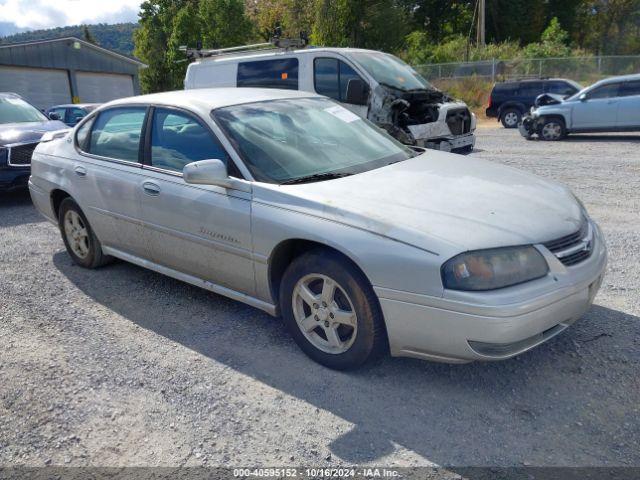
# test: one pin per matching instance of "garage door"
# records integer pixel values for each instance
(102, 87)
(41, 86)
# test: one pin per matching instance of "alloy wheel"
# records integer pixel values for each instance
(324, 313)
(77, 234)
(511, 119)
(551, 131)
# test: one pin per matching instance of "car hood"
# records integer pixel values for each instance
(441, 202)
(27, 132)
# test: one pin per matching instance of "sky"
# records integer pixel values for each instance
(36, 14)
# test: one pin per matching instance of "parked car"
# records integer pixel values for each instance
(71, 114)
(21, 126)
(611, 105)
(374, 85)
(293, 204)
(509, 101)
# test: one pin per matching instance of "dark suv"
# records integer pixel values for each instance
(509, 101)
(21, 127)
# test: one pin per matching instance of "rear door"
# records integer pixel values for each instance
(109, 175)
(599, 110)
(528, 93)
(629, 108)
(199, 230)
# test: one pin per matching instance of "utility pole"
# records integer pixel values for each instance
(481, 21)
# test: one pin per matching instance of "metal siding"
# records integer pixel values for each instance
(103, 87)
(40, 86)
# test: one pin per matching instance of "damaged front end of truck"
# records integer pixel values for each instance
(426, 118)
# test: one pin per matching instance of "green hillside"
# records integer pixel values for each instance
(117, 37)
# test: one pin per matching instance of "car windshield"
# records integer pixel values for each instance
(306, 139)
(16, 110)
(391, 71)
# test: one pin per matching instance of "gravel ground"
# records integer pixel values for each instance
(121, 366)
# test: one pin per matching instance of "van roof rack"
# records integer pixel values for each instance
(275, 43)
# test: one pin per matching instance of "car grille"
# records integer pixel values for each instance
(575, 248)
(20, 155)
(459, 121)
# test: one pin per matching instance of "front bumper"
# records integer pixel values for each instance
(448, 144)
(14, 178)
(458, 332)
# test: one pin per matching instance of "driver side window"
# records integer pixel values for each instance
(605, 91)
(178, 139)
(331, 77)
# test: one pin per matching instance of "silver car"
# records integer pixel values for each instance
(290, 203)
(610, 105)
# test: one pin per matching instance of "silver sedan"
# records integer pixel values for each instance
(291, 203)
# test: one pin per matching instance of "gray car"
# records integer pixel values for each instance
(610, 105)
(291, 203)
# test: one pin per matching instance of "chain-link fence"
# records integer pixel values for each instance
(582, 69)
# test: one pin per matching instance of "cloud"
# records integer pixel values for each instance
(34, 14)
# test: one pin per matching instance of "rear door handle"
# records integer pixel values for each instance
(80, 171)
(151, 188)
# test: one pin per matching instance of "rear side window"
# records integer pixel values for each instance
(561, 88)
(331, 77)
(280, 73)
(116, 133)
(629, 89)
(506, 89)
(178, 139)
(531, 89)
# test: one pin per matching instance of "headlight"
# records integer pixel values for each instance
(493, 268)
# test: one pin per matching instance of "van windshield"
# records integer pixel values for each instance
(390, 71)
(306, 140)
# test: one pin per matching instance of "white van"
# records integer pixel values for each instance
(375, 85)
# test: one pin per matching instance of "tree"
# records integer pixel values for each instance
(375, 24)
(165, 25)
(554, 42)
(86, 33)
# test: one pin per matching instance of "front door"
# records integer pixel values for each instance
(331, 78)
(629, 109)
(598, 111)
(200, 230)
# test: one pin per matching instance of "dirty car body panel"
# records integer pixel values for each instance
(400, 224)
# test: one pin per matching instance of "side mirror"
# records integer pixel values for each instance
(583, 97)
(211, 172)
(54, 116)
(357, 92)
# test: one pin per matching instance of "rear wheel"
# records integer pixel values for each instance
(83, 246)
(510, 118)
(552, 129)
(331, 310)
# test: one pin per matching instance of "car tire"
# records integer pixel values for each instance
(82, 245)
(552, 130)
(341, 328)
(510, 118)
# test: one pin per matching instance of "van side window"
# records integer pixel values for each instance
(331, 77)
(280, 73)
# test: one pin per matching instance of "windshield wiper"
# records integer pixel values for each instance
(316, 177)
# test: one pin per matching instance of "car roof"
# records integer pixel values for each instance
(621, 78)
(267, 53)
(71, 105)
(211, 98)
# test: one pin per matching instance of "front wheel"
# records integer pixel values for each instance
(331, 310)
(552, 130)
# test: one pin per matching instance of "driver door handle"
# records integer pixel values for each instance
(151, 188)
(80, 171)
